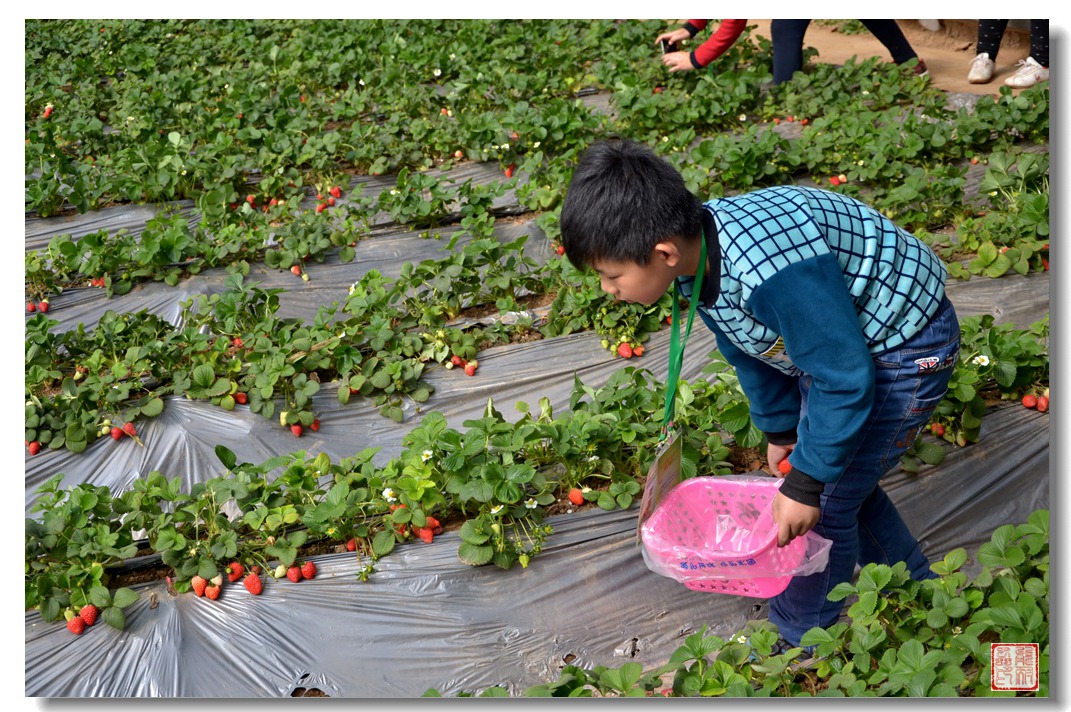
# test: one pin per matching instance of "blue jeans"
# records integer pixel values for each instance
(857, 515)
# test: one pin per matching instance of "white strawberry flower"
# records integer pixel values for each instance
(497, 508)
(426, 455)
(393, 191)
(361, 82)
(860, 162)
(530, 503)
(388, 494)
(536, 144)
(437, 72)
(452, 56)
(743, 117)
(741, 639)
(980, 360)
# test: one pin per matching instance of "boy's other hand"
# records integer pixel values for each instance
(793, 518)
(678, 61)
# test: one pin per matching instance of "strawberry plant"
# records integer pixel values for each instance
(903, 638)
(68, 552)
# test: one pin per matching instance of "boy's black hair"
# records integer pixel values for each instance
(621, 201)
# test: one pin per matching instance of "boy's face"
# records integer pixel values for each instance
(644, 284)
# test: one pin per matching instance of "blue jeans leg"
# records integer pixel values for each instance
(857, 515)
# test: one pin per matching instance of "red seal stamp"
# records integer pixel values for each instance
(1015, 667)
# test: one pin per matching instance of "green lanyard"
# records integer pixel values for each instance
(676, 343)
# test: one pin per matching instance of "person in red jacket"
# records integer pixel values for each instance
(787, 37)
(722, 39)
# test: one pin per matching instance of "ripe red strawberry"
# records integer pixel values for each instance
(88, 613)
(212, 591)
(47, 112)
(336, 192)
(456, 360)
(237, 341)
(1043, 404)
(425, 534)
(803, 122)
(624, 349)
(433, 524)
(1030, 400)
(241, 398)
(509, 171)
(308, 570)
(784, 467)
(235, 571)
(658, 90)
(31, 307)
(576, 496)
(320, 208)
(76, 625)
(834, 180)
(351, 545)
(129, 429)
(296, 430)
(117, 432)
(470, 369)
(296, 269)
(294, 573)
(253, 584)
(938, 430)
(250, 199)
(560, 250)
(315, 424)
(776, 121)
(42, 306)
(638, 350)
(514, 136)
(199, 584)
(791, 119)
(34, 447)
(330, 201)
(974, 160)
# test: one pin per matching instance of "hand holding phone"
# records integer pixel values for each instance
(668, 46)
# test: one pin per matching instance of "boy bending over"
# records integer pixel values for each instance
(834, 318)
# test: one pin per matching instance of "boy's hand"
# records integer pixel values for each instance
(774, 455)
(678, 61)
(793, 518)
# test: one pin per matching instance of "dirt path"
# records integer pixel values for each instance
(947, 51)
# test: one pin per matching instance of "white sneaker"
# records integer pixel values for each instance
(1028, 74)
(981, 69)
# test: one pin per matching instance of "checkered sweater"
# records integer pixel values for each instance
(813, 282)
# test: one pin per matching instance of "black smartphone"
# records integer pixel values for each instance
(668, 46)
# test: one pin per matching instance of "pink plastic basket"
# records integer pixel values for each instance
(717, 534)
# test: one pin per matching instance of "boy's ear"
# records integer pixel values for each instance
(667, 253)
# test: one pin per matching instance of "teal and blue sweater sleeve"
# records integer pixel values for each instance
(833, 354)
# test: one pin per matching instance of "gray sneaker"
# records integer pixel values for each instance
(981, 69)
(1028, 74)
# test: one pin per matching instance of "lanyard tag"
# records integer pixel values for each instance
(664, 475)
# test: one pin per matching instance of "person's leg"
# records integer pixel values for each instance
(990, 33)
(1039, 42)
(787, 39)
(857, 516)
(889, 34)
